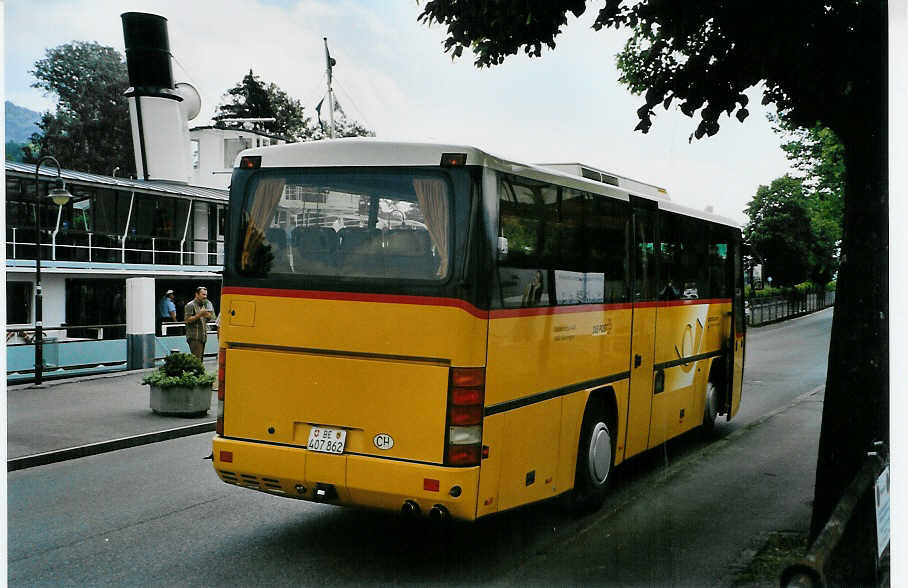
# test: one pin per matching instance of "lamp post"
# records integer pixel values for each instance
(60, 197)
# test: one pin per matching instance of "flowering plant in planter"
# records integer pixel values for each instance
(181, 386)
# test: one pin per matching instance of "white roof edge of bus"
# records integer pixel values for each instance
(652, 191)
(700, 214)
(366, 151)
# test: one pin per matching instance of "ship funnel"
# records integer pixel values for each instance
(159, 110)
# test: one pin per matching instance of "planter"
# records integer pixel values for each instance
(181, 400)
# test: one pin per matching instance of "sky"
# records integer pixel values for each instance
(393, 76)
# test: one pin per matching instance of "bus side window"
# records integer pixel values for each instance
(521, 275)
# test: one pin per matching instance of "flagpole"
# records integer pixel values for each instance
(330, 62)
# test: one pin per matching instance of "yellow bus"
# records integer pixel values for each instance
(435, 330)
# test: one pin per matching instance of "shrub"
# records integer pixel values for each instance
(177, 363)
(179, 369)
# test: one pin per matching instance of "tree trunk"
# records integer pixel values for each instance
(856, 408)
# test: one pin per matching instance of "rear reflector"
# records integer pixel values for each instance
(430, 485)
(227, 456)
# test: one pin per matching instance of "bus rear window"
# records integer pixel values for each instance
(380, 224)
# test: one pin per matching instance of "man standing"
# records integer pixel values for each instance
(197, 314)
(167, 310)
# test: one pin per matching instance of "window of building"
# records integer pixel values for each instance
(96, 302)
(194, 144)
(232, 148)
(18, 303)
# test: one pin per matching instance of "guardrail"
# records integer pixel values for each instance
(86, 353)
(27, 334)
(110, 248)
(851, 522)
(764, 311)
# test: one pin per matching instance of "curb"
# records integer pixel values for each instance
(49, 457)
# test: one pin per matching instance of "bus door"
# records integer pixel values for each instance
(643, 331)
(735, 363)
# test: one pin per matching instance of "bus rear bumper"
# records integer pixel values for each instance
(358, 480)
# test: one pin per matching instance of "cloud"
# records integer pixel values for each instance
(393, 75)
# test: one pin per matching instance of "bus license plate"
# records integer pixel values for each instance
(327, 440)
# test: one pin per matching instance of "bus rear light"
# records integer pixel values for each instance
(222, 372)
(466, 397)
(251, 162)
(222, 389)
(463, 455)
(466, 415)
(465, 435)
(468, 377)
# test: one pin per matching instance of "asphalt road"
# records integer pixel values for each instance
(157, 515)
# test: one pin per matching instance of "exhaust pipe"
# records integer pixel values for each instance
(439, 514)
(410, 509)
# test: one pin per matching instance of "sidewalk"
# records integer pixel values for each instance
(80, 411)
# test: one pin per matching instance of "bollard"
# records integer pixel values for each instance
(140, 315)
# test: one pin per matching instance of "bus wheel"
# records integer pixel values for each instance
(595, 456)
(710, 408)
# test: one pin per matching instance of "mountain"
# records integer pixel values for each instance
(20, 123)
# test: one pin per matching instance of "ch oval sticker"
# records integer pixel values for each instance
(383, 441)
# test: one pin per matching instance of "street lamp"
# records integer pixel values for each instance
(60, 197)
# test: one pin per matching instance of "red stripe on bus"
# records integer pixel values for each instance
(359, 297)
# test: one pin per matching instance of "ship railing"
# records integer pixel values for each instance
(26, 335)
(167, 329)
(96, 247)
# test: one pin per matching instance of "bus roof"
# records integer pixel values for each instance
(372, 152)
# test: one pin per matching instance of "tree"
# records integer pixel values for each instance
(14, 151)
(253, 98)
(780, 232)
(90, 130)
(343, 127)
(818, 62)
(819, 157)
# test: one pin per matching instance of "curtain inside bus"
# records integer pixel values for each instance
(433, 201)
(392, 223)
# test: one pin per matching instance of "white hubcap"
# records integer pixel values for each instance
(600, 458)
(711, 401)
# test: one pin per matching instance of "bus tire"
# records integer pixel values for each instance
(710, 408)
(595, 459)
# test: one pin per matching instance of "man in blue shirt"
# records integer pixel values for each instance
(167, 310)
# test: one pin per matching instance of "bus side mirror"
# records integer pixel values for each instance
(502, 248)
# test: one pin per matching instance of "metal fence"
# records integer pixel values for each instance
(768, 310)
